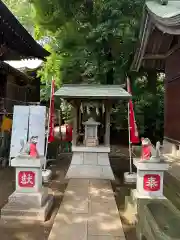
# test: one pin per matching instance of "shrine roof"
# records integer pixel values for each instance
(15, 41)
(92, 91)
(159, 24)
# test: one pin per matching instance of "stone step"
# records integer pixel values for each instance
(20, 211)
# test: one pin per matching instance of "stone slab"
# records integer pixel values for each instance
(107, 173)
(20, 211)
(73, 190)
(102, 149)
(69, 227)
(103, 159)
(101, 191)
(100, 222)
(90, 158)
(75, 204)
(77, 158)
(99, 183)
(105, 224)
(84, 171)
(105, 238)
(34, 199)
(78, 183)
(109, 209)
(90, 171)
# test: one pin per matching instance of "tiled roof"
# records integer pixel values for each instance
(166, 18)
(92, 91)
(17, 41)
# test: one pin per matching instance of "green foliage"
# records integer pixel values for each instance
(149, 107)
(66, 110)
(23, 10)
(95, 42)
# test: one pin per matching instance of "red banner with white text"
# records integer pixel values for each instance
(51, 114)
(134, 136)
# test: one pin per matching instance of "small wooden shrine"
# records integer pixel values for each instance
(159, 49)
(91, 128)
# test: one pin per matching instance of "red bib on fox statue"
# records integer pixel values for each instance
(33, 152)
(146, 149)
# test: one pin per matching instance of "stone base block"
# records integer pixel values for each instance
(90, 171)
(37, 199)
(46, 175)
(130, 178)
(16, 210)
(139, 195)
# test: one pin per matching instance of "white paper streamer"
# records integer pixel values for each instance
(97, 110)
(103, 108)
(81, 108)
(88, 110)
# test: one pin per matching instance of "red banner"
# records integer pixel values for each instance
(134, 136)
(51, 114)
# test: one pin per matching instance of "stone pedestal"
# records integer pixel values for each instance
(90, 162)
(29, 200)
(150, 179)
(157, 218)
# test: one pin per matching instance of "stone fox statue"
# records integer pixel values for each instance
(148, 151)
(30, 148)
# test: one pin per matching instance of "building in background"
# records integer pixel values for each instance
(16, 88)
(159, 48)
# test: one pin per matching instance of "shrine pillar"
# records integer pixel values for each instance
(75, 126)
(107, 127)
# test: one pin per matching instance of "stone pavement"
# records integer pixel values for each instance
(88, 212)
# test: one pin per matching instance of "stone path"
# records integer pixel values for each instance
(88, 212)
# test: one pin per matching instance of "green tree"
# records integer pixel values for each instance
(95, 39)
(24, 12)
(95, 42)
